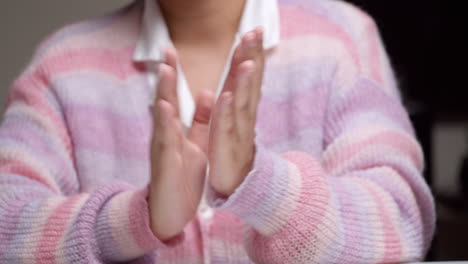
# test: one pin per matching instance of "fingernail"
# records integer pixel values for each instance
(251, 39)
(227, 99)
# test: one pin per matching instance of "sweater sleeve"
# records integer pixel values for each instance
(44, 217)
(363, 200)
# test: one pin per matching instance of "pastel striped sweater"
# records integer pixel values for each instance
(336, 177)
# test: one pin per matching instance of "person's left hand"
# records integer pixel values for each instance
(232, 131)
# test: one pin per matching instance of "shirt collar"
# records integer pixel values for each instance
(155, 35)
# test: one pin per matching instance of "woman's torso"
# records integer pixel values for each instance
(109, 118)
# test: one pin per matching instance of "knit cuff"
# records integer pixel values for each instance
(123, 228)
(271, 192)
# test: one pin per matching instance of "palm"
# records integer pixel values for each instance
(232, 132)
(178, 160)
(182, 187)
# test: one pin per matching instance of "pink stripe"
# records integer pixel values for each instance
(55, 230)
(19, 168)
(297, 22)
(393, 139)
(116, 63)
(375, 62)
(31, 92)
(392, 241)
(141, 231)
(314, 195)
(226, 227)
(19, 132)
(374, 51)
(351, 213)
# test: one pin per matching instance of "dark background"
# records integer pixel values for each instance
(424, 42)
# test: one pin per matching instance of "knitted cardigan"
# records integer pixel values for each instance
(336, 176)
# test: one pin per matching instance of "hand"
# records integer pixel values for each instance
(178, 161)
(232, 132)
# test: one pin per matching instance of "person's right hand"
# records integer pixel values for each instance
(178, 162)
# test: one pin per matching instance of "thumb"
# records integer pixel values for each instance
(198, 133)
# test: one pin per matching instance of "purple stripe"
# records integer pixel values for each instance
(406, 205)
(104, 131)
(418, 186)
(26, 134)
(354, 218)
(81, 244)
(9, 220)
(103, 232)
(295, 112)
(20, 216)
(365, 96)
(103, 90)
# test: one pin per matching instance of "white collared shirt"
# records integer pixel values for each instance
(155, 38)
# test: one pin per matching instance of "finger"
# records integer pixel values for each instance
(244, 85)
(250, 47)
(167, 86)
(199, 132)
(170, 132)
(157, 120)
(222, 123)
(172, 60)
(165, 142)
(260, 64)
(244, 51)
(222, 139)
(171, 57)
(231, 77)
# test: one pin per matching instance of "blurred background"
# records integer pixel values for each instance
(423, 39)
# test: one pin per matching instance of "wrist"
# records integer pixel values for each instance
(163, 232)
(163, 235)
(226, 186)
